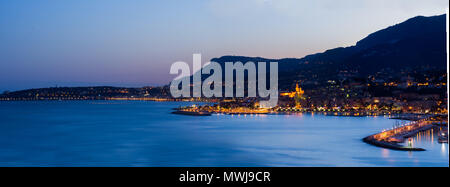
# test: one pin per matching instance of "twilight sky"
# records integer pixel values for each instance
(45, 43)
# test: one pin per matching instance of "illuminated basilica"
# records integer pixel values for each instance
(297, 95)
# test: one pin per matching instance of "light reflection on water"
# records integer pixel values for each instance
(428, 140)
(444, 149)
(139, 133)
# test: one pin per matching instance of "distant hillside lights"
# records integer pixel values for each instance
(181, 85)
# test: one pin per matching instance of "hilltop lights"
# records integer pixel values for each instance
(200, 89)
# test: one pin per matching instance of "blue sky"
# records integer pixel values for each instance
(133, 43)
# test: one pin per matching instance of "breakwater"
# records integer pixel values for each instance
(391, 138)
(191, 113)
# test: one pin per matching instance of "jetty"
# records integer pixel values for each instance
(391, 138)
(191, 113)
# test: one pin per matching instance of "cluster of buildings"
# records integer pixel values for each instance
(382, 93)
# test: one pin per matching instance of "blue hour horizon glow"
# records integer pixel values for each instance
(133, 43)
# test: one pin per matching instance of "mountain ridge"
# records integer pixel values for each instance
(419, 40)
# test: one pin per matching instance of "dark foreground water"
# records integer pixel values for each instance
(135, 133)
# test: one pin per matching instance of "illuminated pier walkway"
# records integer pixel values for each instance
(391, 138)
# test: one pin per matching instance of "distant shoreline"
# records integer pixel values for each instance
(395, 116)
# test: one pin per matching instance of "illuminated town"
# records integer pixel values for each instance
(371, 97)
(224, 83)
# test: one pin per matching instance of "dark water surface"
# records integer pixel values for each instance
(139, 133)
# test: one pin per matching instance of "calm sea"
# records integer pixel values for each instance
(139, 133)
